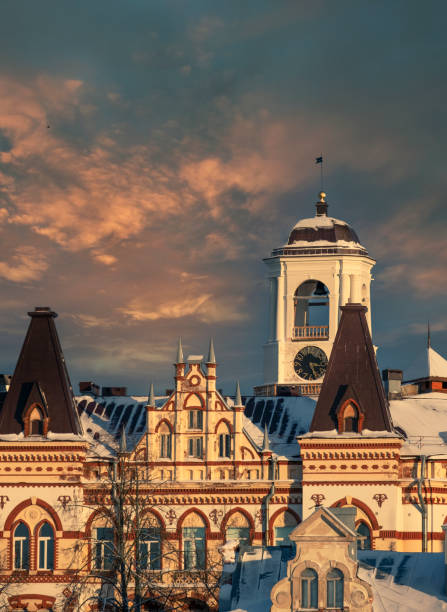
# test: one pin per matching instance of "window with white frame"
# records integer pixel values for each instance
(334, 589)
(150, 548)
(224, 445)
(195, 419)
(165, 442)
(21, 547)
(195, 447)
(45, 544)
(309, 589)
(193, 548)
(103, 553)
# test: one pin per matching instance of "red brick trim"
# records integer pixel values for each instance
(275, 516)
(227, 423)
(341, 413)
(356, 502)
(410, 535)
(159, 424)
(229, 514)
(25, 504)
(193, 407)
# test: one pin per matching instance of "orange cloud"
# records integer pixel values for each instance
(26, 264)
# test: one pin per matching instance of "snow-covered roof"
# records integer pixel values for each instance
(423, 420)
(401, 582)
(285, 417)
(318, 221)
(430, 363)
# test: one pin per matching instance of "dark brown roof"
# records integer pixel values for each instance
(337, 231)
(352, 374)
(40, 376)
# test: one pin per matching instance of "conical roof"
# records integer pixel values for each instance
(429, 364)
(41, 376)
(352, 374)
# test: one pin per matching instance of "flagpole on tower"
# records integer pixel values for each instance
(319, 160)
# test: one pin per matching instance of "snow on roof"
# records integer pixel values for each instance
(404, 582)
(324, 243)
(429, 363)
(103, 417)
(319, 221)
(401, 582)
(286, 418)
(423, 420)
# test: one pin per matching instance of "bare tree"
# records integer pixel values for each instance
(129, 564)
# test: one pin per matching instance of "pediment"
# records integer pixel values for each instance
(322, 524)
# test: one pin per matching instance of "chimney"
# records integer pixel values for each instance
(393, 383)
(89, 387)
(114, 391)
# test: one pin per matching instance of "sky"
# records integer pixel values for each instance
(153, 152)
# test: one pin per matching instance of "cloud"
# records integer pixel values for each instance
(104, 258)
(26, 264)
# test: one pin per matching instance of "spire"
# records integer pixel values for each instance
(41, 377)
(151, 401)
(180, 358)
(428, 335)
(321, 205)
(265, 442)
(238, 399)
(352, 374)
(123, 440)
(211, 354)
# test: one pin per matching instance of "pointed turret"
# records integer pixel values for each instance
(123, 441)
(180, 358)
(238, 398)
(211, 355)
(40, 390)
(352, 397)
(151, 399)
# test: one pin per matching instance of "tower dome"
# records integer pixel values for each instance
(322, 232)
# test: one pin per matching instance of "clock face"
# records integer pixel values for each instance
(310, 363)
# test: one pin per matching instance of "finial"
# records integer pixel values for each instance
(211, 354)
(321, 205)
(151, 401)
(123, 440)
(428, 335)
(180, 358)
(238, 398)
(265, 442)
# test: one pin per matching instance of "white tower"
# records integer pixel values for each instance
(322, 267)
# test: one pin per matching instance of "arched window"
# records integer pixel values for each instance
(21, 547)
(36, 422)
(334, 589)
(194, 542)
(45, 545)
(351, 418)
(309, 589)
(165, 442)
(311, 301)
(103, 552)
(363, 530)
(150, 545)
(224, 445)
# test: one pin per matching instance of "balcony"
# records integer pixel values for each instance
(313, 332)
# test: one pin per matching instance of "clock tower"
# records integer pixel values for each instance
(323, 266)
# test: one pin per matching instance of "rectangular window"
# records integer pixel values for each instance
(150, 549)
(165, 446)
(195, 447)
(193, 548)
(46, 553)
(195, 419)
(104, 548)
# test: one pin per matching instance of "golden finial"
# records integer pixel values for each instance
(322, 195)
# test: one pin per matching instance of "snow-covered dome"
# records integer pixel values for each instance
(322, 228)
(322, 235)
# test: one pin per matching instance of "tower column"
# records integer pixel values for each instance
(272, 309)
(345, 289)
(355, 297)
(280, 307)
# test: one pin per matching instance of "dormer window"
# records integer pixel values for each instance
(350, 418)
(35, 421)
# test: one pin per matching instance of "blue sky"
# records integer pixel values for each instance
(180, 151)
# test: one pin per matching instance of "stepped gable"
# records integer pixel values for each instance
(352, 378)
(40, 378)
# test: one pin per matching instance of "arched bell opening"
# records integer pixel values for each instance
(311, 304)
